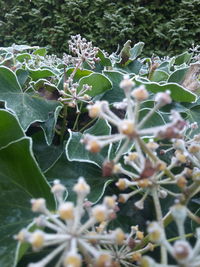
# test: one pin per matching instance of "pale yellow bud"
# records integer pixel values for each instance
(100, 213)
(127, 127)
(152, 145)
(181, 157)
(132, 156)
(72, 260)
(103, 260)
(82, 187)
(37, 240)
(161, 166)
(194, 149)
(38, 205)
(93, 146)
(22, 236)
(119, 236)
(122, 184)
(58, 188)
(139, 235)
(181, 181)
(143, 183)
(110, 202)
(66, 211)
(136, 256)
(140, 93)
(155, 233)
(94, 110)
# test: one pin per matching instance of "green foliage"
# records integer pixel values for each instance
(43, 120)
(164, 26)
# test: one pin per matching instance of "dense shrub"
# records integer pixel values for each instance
(164, 25)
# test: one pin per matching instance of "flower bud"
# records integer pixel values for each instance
(163, 98)
(126, 83)
(182, 250)
(127, 127)
(93, 146)
(136, 256)
(122, 184)
(37, 239)
(100, 213)
(139, 235)
(110, 202)
(38, 205)
(140, 93)
(147, 262)
(119, 236)
(58, 189)
(72, 260)
(179, 213)
(81, 187)
(139, 204)
(66, 211)
(156, 234)
(104, 260)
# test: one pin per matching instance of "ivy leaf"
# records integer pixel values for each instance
(178, 75)
(105, 61)
(136, 50)
(183, 58)
(49, 125)
(76, 151)
(178, 93)
(20, 180)
(22, 76)
(9, 128)
(23, 57)
(159, 76)
(68, 172)
(40, 51)
(100, 83)
(116, 94)
(40, 74)
(45, 155)
(29, 108)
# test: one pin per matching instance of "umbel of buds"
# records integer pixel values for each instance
(82, 51)
(73, 237)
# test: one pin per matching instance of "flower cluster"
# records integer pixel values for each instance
(148, 171)
(83, 51)
(139, 159)
(78, 233)
(181, 250)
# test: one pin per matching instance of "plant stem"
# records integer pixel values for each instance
(77, 117)
(64, 123)
(160, 220)
(87, 125)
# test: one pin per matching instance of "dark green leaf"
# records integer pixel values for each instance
(177, 76)
(40, 51)
(159, 76)
(183, 58)
(20, 180)
(76, 151)
(68, 173)
(116, 94)
(136, 50)
(9, 128)
(23, 57)
(22, 76)
(178, 93)
(28, 107)
(40, 74)
(100, 84)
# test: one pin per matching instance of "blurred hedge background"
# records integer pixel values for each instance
(166, 26)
